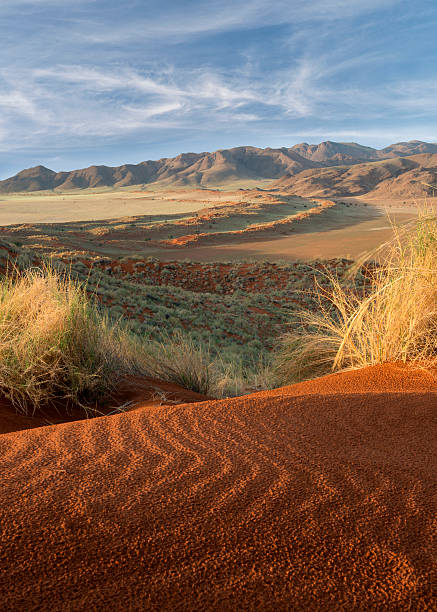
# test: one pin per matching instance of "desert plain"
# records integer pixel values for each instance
(203, 224)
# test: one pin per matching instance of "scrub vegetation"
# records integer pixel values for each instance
(393, 320)
(69, 329)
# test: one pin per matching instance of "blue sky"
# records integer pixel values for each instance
(104, 81)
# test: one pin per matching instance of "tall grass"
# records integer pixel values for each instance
(56, 346)
(394, 320)
(180, 359)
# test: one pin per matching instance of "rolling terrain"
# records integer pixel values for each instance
(236, 309)
(206, 218)
(398, 177)
(208, 225)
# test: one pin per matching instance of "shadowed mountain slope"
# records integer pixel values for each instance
(219, 167)
(414, 176)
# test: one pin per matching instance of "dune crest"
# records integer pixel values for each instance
(292, 499)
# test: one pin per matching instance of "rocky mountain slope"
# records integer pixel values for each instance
(185, 169)
(219, 167)
(413, 176)
(333, 153)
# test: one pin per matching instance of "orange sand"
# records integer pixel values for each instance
(314, 497)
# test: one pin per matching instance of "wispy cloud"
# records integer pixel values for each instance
(79, 102)
(90, 102)
(175, 23)
(16, 102)
(96, 73)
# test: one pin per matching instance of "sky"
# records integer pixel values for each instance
(107, 82)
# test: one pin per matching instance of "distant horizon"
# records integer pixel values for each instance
(115, 165)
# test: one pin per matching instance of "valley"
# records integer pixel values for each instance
(303, 202)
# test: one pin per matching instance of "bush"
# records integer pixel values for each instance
(55, 345)
(393, 319)
(188, 361)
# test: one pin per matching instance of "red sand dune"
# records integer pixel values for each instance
(319, 496)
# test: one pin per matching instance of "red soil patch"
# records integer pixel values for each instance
(260, 230)
(206, 277)
(295, 499)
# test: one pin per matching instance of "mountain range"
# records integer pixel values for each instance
(325, 169)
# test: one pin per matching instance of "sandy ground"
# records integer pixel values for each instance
(90, 205)
(350, 240)
(317, 497)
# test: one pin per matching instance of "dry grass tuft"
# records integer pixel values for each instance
(394, 320)
(56, 346)
(181, 360)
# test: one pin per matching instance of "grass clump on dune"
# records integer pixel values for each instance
(55, 345)
(58, 349)
(393, 320)
(179, 359)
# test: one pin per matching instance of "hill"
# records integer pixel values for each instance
(412, 176)
(317, 496)
(185, 169)
(336, 152)
(219, 167)
(413, 147)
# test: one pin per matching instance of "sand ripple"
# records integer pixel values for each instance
(281, 501)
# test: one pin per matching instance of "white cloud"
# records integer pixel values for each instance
(140, 114)
(227, 15)
(83, 102)
(292, 90)
(17, 102)
(96, 79)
